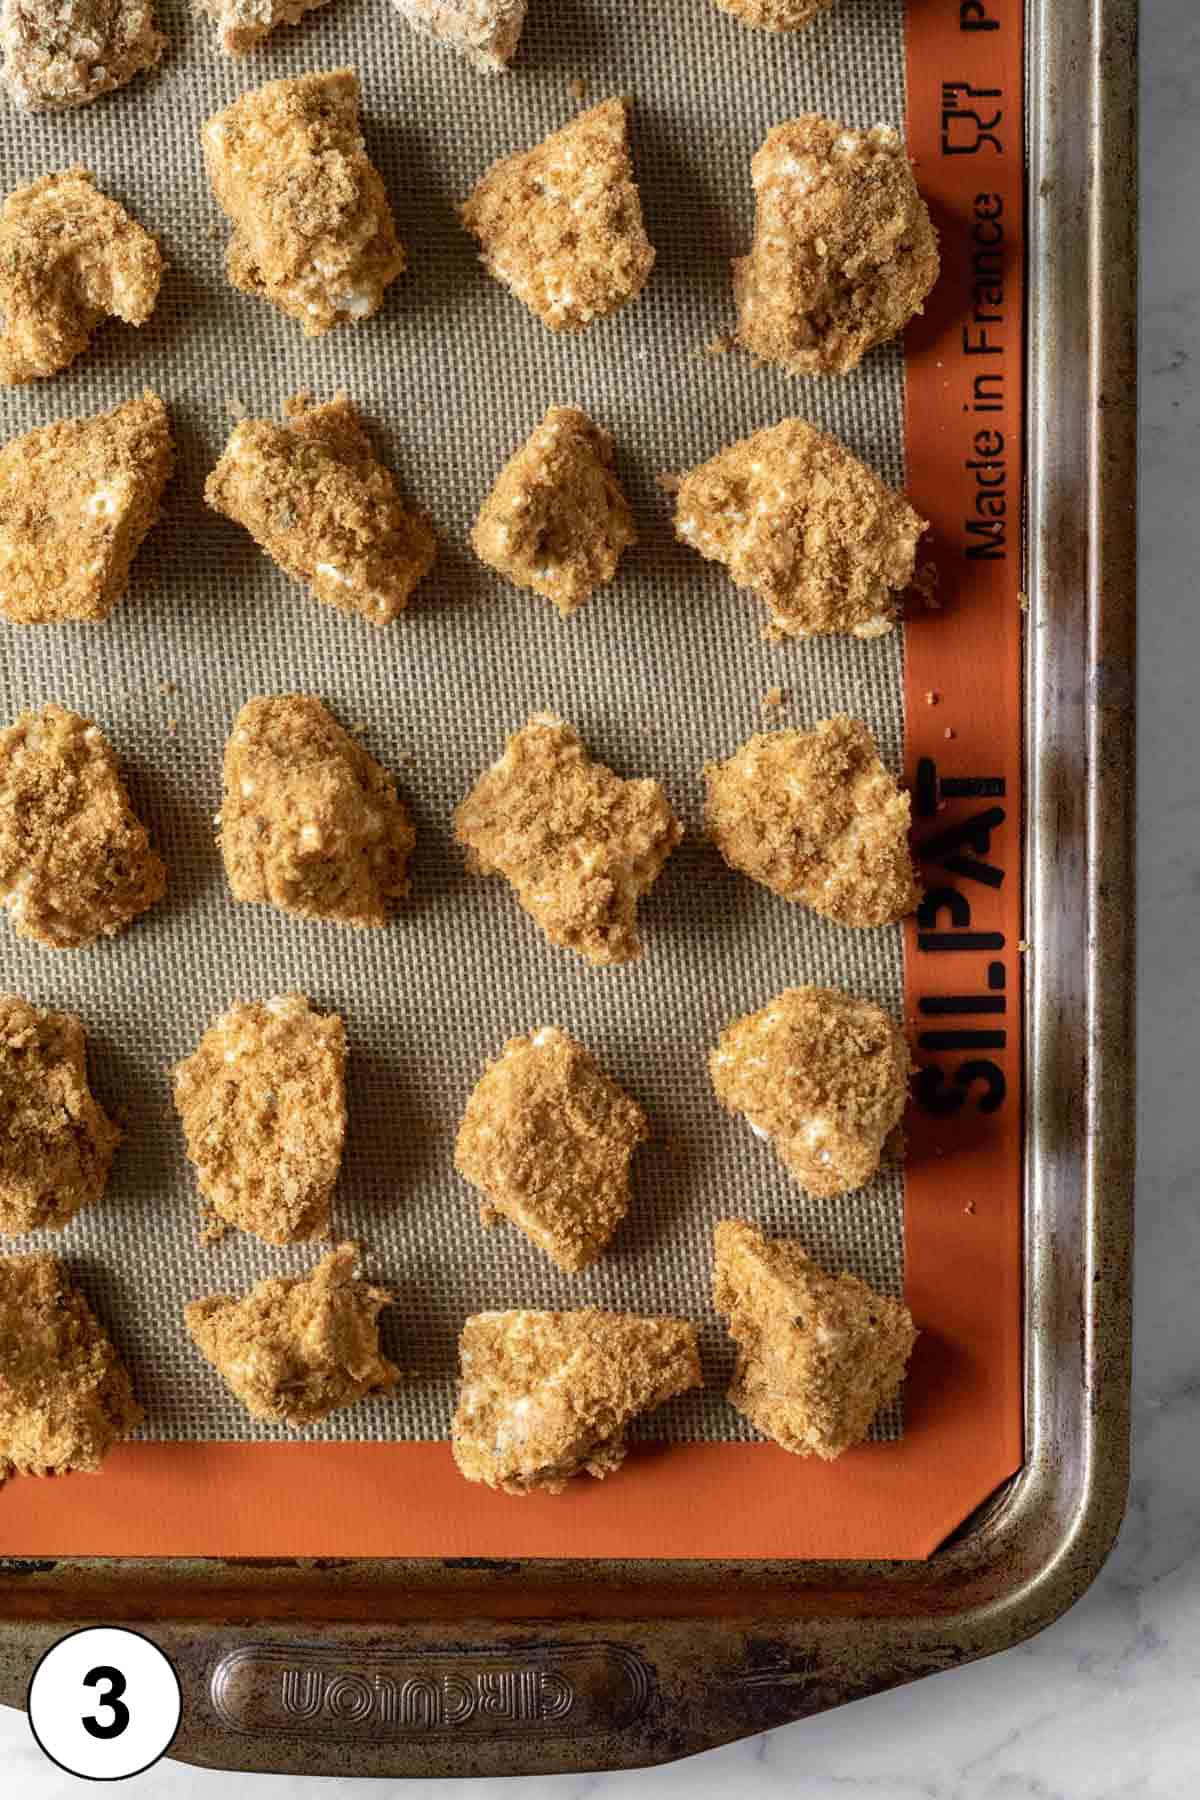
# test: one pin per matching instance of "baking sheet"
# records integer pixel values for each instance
(660, 672)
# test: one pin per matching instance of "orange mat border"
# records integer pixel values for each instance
(963, 1431)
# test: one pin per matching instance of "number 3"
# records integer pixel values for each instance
(111, 1701)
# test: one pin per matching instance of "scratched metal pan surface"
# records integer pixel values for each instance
(549, 1665)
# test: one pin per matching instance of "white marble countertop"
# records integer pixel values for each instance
(1103, 1705)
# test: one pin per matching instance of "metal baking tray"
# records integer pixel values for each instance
(662, 1658)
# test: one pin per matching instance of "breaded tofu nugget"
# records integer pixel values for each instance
(65, 1395)
(313, 231)
(561, 225)
(243, 24)
(815, 816)
(56, 1142)
(824, 1076)
(60, 53)
(69, 257)
(799, 521)
(263, 1104)
(818, 1355)
(544, 1395)
(76, 500)
(309, 821)
(775, 15)
(312, 495)
(296, 1348)
(75, 861)
(556, 520)
(579, 845)
(548, 1138)
(486, 32)
(844, 251)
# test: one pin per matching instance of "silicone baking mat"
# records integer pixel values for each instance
(659, 672)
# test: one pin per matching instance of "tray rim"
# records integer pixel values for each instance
(738, 1647)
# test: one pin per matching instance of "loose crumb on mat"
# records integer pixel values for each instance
(925, 583)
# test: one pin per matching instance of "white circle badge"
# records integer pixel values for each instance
(104, 1704)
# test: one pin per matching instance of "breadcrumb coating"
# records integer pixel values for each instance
(76, 500)
(56, 1143)
(263, 1104)
(69, 257)
(818, 1355)
(60, 53)
(65, 1395)
(844, 251)
(579, 844)
(795, 518)
(243, 24)
(815, 817)
(75, 861)
(548, 1138)
(556, 520)
(313, 231)
(544, 1395)
(823, 1075)
(313, 496)
(775, 15)
(486, 32)
(296, 1348)
(309, 821)
(561, 224)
